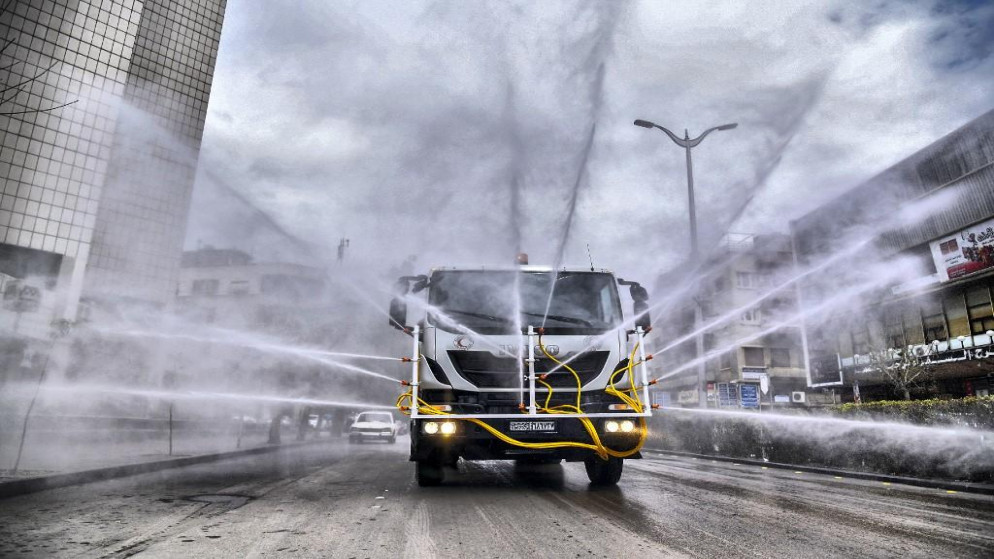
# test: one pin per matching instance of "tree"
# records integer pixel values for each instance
(903, 369)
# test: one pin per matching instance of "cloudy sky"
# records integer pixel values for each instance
(459, 131)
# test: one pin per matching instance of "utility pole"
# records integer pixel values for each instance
(687, 144)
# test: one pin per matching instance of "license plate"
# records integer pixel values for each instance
(534, 426)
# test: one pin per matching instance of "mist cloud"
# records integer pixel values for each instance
(405, 127)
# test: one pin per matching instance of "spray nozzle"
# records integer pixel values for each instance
(521, 406)
(655, 406)
(405, 383)
(406, 360)
(648, 357)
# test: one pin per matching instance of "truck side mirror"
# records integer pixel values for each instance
(398, 313)
(641, 307)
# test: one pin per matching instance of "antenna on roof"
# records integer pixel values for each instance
(591, 258)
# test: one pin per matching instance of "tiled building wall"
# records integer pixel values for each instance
(142, 219)
(105, 181)
(53, 162)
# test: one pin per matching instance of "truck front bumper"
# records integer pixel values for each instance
(472, 442)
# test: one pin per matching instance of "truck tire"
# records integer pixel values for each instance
(604, 472)
(392, 439)
(429, 473)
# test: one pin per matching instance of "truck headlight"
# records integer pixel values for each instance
(448, 428)
(611, 426)
(627, 426)
(431, 427)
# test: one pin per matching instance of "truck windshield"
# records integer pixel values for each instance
(487, 301)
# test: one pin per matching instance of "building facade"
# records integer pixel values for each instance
(936, 324)
(225, 287)
(99, 144)
(740, 308)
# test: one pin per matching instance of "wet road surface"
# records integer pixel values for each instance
(336, 500)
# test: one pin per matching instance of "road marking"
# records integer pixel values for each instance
(838, 477)
(950, 491)
(798, 472)
(885, 482)
(765, 468)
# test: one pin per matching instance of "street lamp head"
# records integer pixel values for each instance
(644, 123)
(728, 126)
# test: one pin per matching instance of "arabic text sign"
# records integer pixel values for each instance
(965, 252)
(749, 395)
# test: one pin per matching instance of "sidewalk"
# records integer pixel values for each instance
(48, 451)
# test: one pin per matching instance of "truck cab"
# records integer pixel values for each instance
(511, 360)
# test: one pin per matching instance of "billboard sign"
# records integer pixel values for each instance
(966, 252)
(749, 395)
(728, 394)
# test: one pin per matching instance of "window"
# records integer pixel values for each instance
(720, 284)
(934, 322)
(956, 315)
(753, 357)
(913, 330)
(238, 287)
(205, 287)
(746, 280)
(752, 316)
(779, 357)
(978, 306)
(893, 329)
(861, 339)
(725, 361)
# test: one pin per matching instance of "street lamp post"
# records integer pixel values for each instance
(687, 143)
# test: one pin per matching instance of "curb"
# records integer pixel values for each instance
(959, 486)
(35, 484)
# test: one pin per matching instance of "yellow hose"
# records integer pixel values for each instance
(597, 446)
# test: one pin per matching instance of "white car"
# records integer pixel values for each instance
(373, 425)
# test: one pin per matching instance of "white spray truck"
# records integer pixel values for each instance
(524, 363)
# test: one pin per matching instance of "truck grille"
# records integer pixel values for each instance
(485, 370)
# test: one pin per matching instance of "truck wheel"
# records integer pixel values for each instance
(429, 473)
(392, 440)
(604, 472)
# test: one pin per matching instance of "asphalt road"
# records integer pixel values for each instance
(333, 500)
